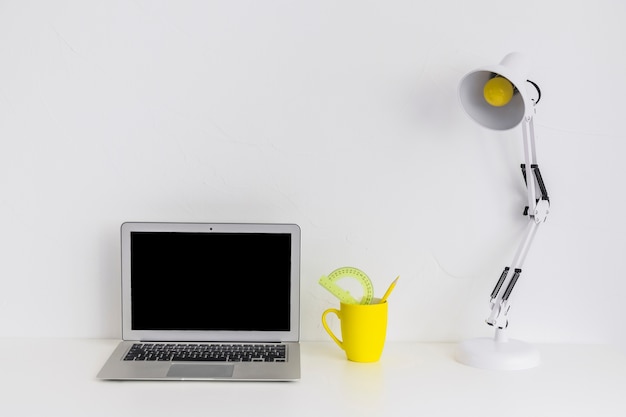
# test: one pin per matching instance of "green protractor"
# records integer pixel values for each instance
(330, 283)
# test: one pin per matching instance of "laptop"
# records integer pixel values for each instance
(208, 301)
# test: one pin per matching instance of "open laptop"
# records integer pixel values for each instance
(205, 301)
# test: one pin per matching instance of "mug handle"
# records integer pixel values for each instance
(330, 332)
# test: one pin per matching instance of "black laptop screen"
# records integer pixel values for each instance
(210, 281)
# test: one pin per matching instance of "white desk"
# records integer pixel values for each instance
(410, 380)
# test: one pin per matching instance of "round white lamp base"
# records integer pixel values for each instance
(498, 353)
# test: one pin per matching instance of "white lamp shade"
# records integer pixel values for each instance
(513, 67)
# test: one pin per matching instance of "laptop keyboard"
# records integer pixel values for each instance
(211, 352)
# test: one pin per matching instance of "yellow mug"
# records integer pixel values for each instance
(363, 330)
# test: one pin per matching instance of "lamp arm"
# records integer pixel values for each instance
(538, 206)
(538, 209)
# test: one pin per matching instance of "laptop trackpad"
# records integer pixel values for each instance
(195, 370)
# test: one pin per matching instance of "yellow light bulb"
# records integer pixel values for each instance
(498, 91)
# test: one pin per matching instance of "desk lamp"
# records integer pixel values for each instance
(498, 97)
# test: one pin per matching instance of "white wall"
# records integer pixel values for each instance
(341, 116)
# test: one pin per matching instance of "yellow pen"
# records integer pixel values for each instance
(391, 287)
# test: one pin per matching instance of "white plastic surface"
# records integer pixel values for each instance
(498, 354)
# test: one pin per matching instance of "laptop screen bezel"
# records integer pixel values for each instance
(128, 333)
